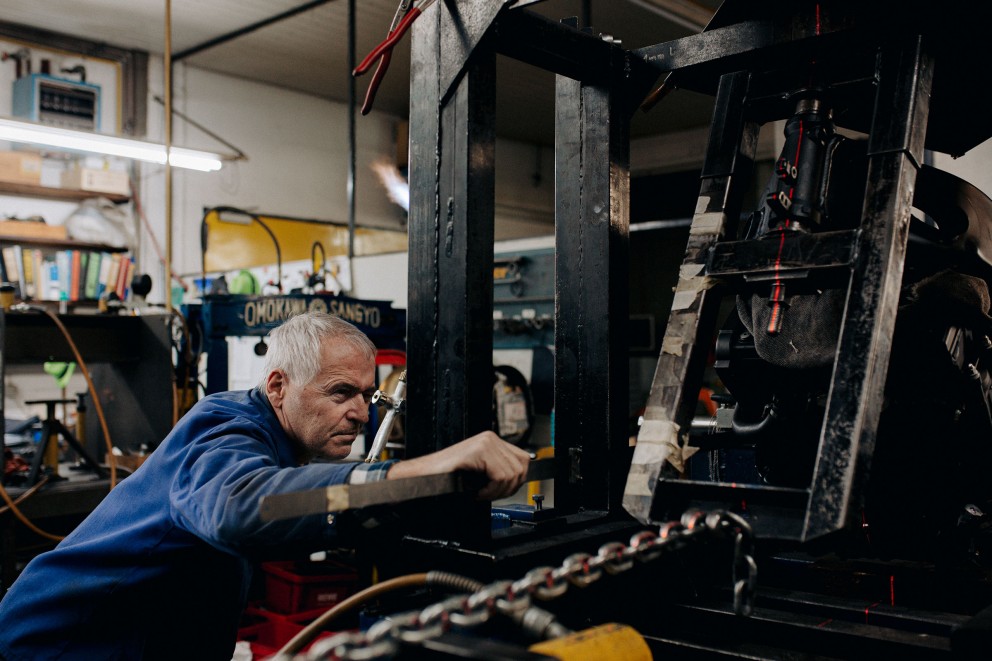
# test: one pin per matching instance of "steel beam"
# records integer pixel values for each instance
(692, 322)
(592, 192)
(895, 152)
(451, 247)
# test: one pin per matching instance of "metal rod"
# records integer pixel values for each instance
(168, 155)
(216, 41)
(3, 390)
(352, 143)
(238, 154)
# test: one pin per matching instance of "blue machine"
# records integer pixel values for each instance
(224, 316)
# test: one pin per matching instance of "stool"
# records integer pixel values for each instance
(51, 426)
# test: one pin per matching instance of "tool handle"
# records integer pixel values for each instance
(388, 43)
(380, 73)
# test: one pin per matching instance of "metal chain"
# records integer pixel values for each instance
(383, 639)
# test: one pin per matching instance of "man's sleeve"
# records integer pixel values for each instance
(366, 473)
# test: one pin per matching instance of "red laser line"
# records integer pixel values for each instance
(776, 305)
(868, 608)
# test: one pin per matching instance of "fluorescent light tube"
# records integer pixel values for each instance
(101, 143)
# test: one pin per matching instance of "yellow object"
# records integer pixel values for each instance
(232, 246)
(534, 487)
(52, 454)
(607, 641)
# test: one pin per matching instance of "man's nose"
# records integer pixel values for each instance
(360, 409)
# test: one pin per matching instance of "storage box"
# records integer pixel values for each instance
(25, 229)
(98, 181)
(18, 167)
(268, 632)
(297, 586)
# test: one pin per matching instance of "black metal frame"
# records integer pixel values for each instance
(874, 256)
(884, 76)
(748, 63)
(451, 240)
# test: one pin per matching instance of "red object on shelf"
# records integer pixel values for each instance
(390, 357)
(299, 586)
(267, 632)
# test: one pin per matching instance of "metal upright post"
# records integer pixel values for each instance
(592, 191)
(691, 324)
(452, 210)
(895, 153)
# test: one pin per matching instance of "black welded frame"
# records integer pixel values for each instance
(898, 127)
(451, 240)
(598, 86)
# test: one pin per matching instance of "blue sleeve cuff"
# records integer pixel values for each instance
(366, 473)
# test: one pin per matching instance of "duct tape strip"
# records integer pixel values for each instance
(680, 334)
(690, 284)
(657, 443)
(707, 223)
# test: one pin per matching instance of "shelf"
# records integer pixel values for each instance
(33, 338)
(58, 243)
(30, 190)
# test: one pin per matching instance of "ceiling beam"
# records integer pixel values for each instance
(216, 41)
(686, 13)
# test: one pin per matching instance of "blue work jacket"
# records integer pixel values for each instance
(162, 567)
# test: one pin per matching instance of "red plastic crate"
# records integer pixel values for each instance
(298, 586)
(268, 632)
(268, 637)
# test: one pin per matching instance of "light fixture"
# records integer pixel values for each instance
(101, 143)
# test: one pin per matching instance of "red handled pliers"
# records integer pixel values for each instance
(406, 14)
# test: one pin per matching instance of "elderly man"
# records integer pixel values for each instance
(162, 567)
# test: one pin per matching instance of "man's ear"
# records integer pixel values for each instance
(275, 387)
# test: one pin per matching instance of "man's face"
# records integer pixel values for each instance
(327, 414)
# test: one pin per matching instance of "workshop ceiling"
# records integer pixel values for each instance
(308, 52)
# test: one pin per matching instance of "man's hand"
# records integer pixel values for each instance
(505, 465)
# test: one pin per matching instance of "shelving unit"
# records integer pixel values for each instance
(64, 264)
(64, 194)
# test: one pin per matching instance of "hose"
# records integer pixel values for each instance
(12, 504)
(93, 392)
(180, 395)
(435, 578)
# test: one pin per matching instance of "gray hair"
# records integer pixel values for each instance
(294, 347)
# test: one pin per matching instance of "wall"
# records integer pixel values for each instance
(104, 73)
(297, 158)
(297, 165)
(975, 167)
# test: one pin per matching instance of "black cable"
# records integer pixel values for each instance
(313, 262)
(203, 241)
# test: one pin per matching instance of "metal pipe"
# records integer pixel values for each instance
(352, 142)
(168, 154)
(395, 404)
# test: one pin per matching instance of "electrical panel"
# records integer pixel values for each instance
(57, 102)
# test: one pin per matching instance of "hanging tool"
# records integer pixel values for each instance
(406, 14)
(394, 404)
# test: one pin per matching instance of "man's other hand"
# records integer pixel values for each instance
(505, 465)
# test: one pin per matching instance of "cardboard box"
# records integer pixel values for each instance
(97, 181)
(23, 229)
(17, 167)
